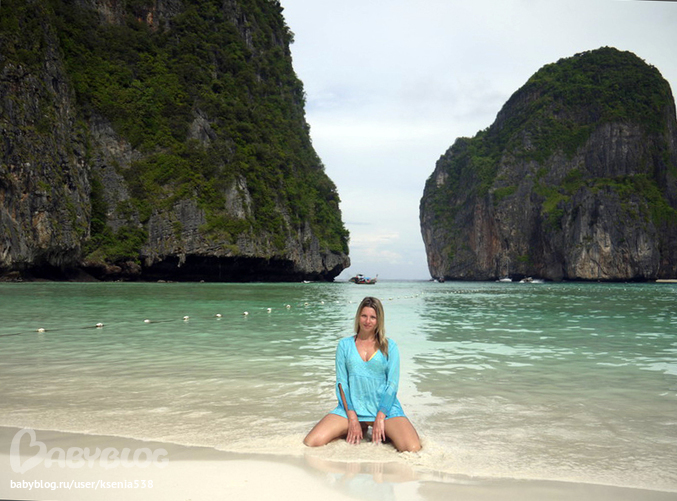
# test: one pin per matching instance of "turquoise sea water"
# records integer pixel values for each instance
(550, 381)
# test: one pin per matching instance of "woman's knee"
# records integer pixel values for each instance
(413, 445)
(403, 435)
(329, 428)
(316, 438)
(312, 441)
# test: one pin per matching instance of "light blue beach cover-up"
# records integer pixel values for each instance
(369, 386)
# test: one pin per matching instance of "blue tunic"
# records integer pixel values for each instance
(369, 387)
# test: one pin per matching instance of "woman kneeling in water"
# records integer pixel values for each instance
(367, 376)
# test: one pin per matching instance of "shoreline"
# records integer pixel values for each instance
(9, 278)
(99, 467)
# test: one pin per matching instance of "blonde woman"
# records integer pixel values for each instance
(367, 376)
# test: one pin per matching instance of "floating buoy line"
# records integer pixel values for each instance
(187, 318)
(267, 311)
(285, 306)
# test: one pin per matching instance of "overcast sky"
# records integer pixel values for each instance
(391, 84)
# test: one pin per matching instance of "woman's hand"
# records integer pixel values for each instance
(354, 429)
(378, 431)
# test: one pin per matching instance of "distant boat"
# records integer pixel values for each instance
(362, 280)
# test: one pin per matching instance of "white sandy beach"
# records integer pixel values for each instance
(192, 473)
(184, 473)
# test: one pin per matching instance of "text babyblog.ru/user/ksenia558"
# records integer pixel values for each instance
(100, 484)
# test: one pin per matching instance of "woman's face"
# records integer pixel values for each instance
(368, 320)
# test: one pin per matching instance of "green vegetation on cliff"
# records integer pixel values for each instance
(555, 112)
(225, 64)
(563, 102)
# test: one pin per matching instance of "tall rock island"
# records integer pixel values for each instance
(575, 180)
(159, 139)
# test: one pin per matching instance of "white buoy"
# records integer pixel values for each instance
(41, 329)
(288, 306)
(146, 321)
(186, 318)
(99, 325)
(269, 310)
(218, 315)
(245, 313)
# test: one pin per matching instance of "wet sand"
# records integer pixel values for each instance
(57, 466)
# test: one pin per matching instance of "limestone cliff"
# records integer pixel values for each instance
(159, 139)
(576, 179)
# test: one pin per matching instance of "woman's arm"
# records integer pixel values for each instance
(343, 393)
(354, 428)
(392, 378)
(378, 434)
(378, 431)
(342, 385)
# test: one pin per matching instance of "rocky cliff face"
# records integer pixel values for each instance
(576, 179)
(158, 139)
(44, 186)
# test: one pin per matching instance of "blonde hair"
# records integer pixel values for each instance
(380, 331)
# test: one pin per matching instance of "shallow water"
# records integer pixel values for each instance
(551, 381)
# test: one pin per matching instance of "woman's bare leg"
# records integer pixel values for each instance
(402, 434)
(330, 427)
